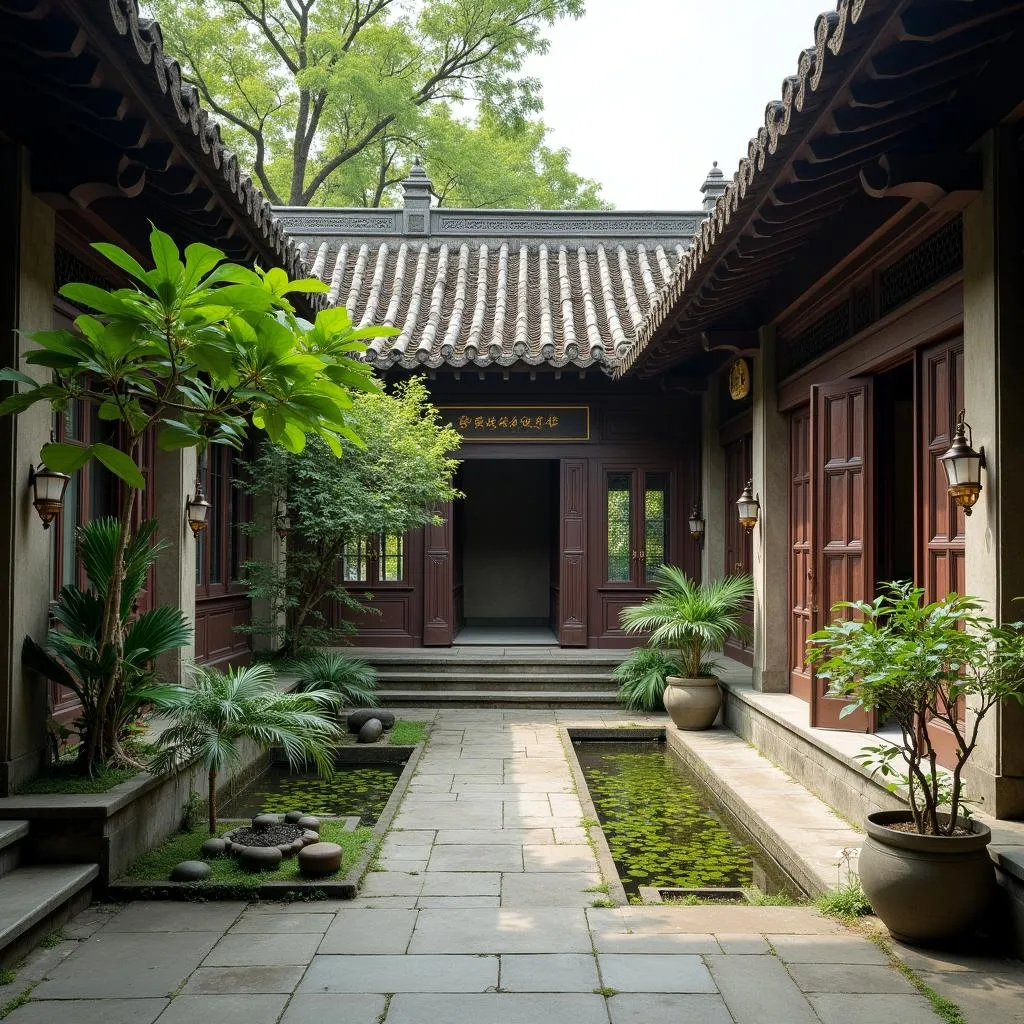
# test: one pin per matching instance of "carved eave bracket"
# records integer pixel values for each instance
(950, 180)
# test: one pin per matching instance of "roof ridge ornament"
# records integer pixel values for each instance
(713, 188)
(417, 198)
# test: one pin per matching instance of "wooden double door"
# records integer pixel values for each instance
(846, 486)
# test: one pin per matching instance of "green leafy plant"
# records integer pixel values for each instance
(693, 618)
(210, 719)
(380, 490)
(913, 662)
(641, 678)
(354, 680)
(196, 352)
(847, 899)
(75, 654)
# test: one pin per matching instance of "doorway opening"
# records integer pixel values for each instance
(894, 469)
(505, 533)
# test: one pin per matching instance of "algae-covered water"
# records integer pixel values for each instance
(354, 790)
(663, 827)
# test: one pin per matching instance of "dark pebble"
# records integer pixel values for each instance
(190, 871)
(357, 719)
(309, 823)
(256, 858)
(278, 834)
(371, 731)
(265, 820)
(292, 817)
(214, 848)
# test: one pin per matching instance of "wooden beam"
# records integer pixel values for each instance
(922, 177)
(738, 343)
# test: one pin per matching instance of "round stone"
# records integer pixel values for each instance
(214, 847)
(265, 820)
(258, 858)
(298, 845)
(320, 859)
(357, 719)
(190, 871)
(293, 817)
(309, 836)
(309, 823)
(371, 731)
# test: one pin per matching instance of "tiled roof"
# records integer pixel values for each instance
(472, 287)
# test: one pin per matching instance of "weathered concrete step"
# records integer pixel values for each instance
(501, 698)
(32, 895)
(504, 668)
(11, 834)
(486, 681)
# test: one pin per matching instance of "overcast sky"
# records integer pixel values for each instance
(647, 93)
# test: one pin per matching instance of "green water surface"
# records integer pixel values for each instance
(353, 790)
(663, 827)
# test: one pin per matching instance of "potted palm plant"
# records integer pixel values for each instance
(694, 619)
(916, 664)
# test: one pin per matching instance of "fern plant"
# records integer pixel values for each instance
(693, 618)
(352, 679)
(641, 679)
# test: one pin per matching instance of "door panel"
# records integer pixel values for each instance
(942, 556)
(801, 567)
(841, 488)
(438, 581)
(572, 586)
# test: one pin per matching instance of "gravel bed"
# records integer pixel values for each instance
(275, 835)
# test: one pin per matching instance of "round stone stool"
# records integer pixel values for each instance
(190, 871)
(320, 859)
(258, 858)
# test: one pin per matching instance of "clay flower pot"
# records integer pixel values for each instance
(927, 890)
(692, 703)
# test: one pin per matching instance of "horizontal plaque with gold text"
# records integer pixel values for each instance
(519, 422)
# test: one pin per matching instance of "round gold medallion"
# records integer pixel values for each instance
(739, 380)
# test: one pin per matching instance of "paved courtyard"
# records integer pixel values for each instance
(481, 913)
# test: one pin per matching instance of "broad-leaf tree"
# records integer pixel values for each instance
(389, 486)
(196, 351)
(312, 90)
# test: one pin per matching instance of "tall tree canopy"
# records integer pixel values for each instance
(329, 99)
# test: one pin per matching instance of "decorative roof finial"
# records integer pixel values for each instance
(714, 187)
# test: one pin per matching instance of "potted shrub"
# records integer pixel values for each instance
(694, 619)
(641, 678)
(925, 869)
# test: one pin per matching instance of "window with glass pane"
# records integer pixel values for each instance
(655, 523)
(620, 525)
(391, 557)
(353, 561)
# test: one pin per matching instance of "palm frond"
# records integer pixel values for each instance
(353, 679)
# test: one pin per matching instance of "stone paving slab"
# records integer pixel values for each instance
(89, 1011)
(551, 889)
(161, 916)
(224, 1009)
(249, 923)
(668, 1009)
(498, 1009)
(227, 980)
(655, 972)
(325, 1008)
(369, 931)
(827, 949)
(412, 973)
(552, 972)
(265, 950)
(867, 1009)
(503, 930)
(849, 978)
(758, 990)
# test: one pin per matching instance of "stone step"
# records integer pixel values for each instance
(33, 897)
(498, 668)
(460, 680)
(11, 834)
(491, 698)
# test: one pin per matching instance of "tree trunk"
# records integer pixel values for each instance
(212, 802)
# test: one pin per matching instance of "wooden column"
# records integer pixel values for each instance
(573, 595)
(438, 581)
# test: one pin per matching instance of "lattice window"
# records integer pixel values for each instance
(68, 268)
(933, 260)
(828, 331)
(862, 309)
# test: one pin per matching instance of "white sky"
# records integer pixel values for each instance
(647, 93)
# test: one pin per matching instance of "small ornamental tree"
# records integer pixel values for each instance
(197, 351)
(390, 485)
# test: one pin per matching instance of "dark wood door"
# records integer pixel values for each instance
(842, 491)
(942, 568)
(739, 543)
(572, 573)
(438, 581)
(801, 566)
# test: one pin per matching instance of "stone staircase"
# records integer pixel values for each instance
(35, 899)
(494, 677)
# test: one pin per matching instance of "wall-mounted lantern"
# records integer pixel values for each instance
(282, 523)
(48, 487)
(696, 523)
(963, 466)
(748, 507)
(197, 510)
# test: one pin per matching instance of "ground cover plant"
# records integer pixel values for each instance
(156, 865)
(197, 351)
(641, 678)
(210, 719)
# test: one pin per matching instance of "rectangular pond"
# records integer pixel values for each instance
(355, 790)
(664, 828)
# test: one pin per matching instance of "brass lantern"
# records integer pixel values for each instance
(282, 522)
(48, 487)
(963, 467)
(748, 507)
(696, 524)
(197, 510)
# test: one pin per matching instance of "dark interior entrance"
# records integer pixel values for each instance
(506, 551)
(894, 468)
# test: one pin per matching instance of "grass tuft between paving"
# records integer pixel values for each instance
(945, 1008)
(18, 1001)
(156, 865)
